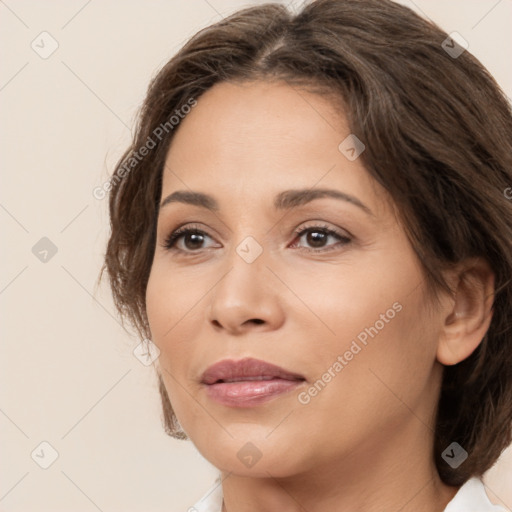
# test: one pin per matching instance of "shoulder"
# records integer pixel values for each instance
(472, 497)
(211, 501)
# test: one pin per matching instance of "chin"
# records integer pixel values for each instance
(247, 456)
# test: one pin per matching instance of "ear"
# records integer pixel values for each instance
(470, 312)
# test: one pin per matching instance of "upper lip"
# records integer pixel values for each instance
(229, 370)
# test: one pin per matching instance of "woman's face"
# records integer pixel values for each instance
(327, 288)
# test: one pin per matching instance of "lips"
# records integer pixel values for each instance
(246, 370)
(248, 382)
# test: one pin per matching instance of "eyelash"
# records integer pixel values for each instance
(171, 240)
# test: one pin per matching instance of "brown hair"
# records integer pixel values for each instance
(438, 136)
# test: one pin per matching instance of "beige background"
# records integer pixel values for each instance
(69, 376)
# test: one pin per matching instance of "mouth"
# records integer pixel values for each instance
(248, 382)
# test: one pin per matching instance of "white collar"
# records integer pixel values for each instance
(471, 497)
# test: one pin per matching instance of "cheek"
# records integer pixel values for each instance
(385, 369)
(373, 315)
(172, 321)
(171, 303)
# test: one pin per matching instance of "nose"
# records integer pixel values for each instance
(246, 297)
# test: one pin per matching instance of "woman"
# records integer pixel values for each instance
(312, 226)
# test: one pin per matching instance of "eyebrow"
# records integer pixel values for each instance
(286, 200)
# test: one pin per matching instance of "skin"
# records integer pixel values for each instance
(364, 443)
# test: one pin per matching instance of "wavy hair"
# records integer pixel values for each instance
(438, 136)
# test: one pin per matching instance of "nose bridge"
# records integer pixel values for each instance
(245, 291)
(248, 252)
(245, 275)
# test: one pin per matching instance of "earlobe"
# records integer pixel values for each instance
(469, 315)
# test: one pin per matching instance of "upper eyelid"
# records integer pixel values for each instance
(194, 226)
(310, 208)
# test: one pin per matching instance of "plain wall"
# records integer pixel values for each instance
(68, 374)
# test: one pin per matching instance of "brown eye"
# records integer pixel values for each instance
(318, 236)
(193, 239)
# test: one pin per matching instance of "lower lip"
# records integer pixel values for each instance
(250, 393)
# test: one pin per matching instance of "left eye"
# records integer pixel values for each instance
(317, 237)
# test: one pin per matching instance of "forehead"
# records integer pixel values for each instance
(252, 113)
(259, 137)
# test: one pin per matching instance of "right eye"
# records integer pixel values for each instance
(190, 237)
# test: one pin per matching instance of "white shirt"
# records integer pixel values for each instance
(471, 497)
